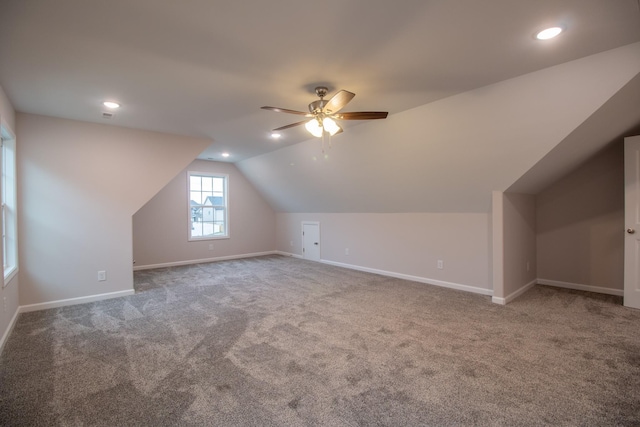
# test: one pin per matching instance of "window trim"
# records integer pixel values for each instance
(7, 137)
(226, 207)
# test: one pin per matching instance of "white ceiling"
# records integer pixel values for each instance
(204, 68)
(449, 155)
(615, 119)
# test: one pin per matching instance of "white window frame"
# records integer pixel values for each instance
(226, 206)
(9, 211)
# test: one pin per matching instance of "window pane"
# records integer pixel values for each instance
(219, 215)
(216, 200)
(207, 229)
(195, 183)
(218, 184)
(4, 238)
(196, 214)
(207, 183)
(196, 197)
(207, 214)
(196, 229)
(218, 228)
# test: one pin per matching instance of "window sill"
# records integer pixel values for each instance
(204, 239)
(9, 275)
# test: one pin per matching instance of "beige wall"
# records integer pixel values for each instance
(404, 243)
(519, 220)
(497, 246)
(78, 186)
(580, 223)
(7, 113)
(513, 245)
(160, 226)
(9, 293)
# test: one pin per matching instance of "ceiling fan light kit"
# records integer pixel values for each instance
(323, 114)
(330, 126)
(314, 128)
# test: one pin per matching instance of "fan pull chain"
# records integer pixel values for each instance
(323, 137)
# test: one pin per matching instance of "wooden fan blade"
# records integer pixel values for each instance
(338, 101)
(362, 115)
(285, 110)
(292, 125)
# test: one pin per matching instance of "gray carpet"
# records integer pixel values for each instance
(276, 341)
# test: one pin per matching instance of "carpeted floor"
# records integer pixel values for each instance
(277, 341)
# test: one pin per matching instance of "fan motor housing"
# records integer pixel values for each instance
(317, 106)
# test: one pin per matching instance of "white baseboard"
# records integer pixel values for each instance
(579, 287)
(498, 300)
(289, 254)
(73, 301)
(441, 283)
(514, 295)
(201, 261)
(6, 334)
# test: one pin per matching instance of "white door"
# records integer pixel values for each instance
(632, 222)
(311, 241)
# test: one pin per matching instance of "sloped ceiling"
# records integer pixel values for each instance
(475, 100)
(203, 68)
(448, 155)
(617, 118)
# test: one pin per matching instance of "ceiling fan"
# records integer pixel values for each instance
(323, 114)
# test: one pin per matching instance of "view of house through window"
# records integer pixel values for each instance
(208, 206)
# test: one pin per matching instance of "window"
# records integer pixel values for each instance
(208, 206)
(9, 221)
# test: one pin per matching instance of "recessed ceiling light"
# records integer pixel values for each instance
(275, 135)
(225, 154)
(549, 33)
(111, 104)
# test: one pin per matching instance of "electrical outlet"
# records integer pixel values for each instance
(210, 246)
(528, 266)
(440, 264)
(102, 276)
(346, 251)
(291, 243)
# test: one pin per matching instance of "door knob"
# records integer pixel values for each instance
(630, 230)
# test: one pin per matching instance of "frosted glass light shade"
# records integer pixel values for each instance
(314, 128)
(330, 126)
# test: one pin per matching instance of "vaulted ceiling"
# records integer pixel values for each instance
(476, 102)
(450, 154)
(203, 68)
